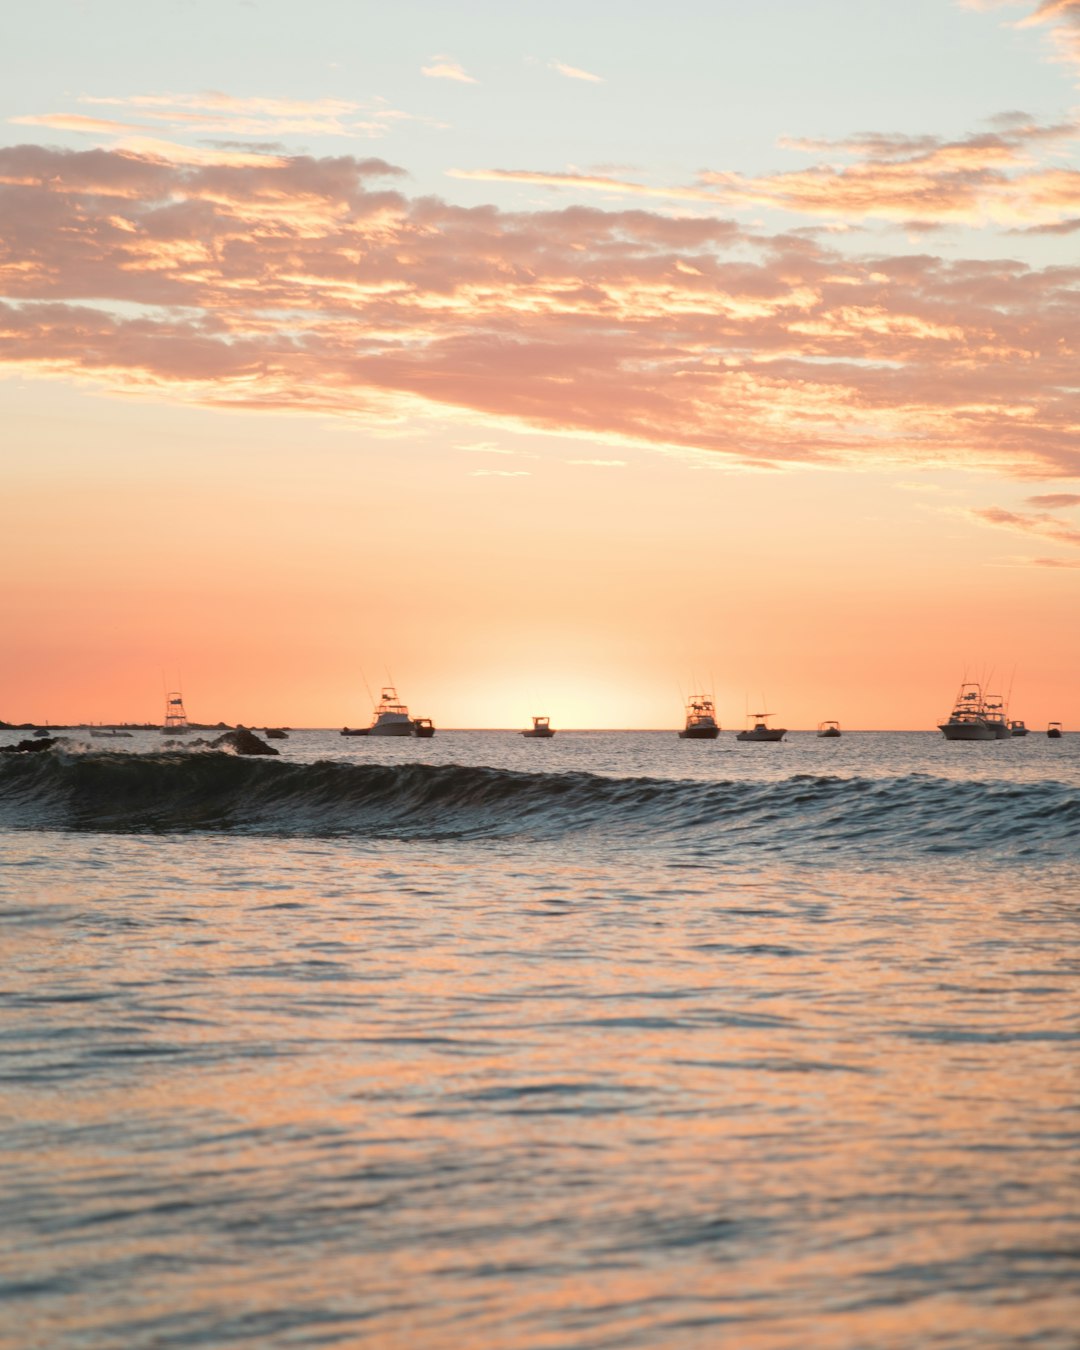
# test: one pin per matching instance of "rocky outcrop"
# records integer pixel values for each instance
(243, 742)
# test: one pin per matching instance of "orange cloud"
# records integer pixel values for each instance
(309, 284)
(1041, 524)
(74, 122)
(576, 73)
(445, 68)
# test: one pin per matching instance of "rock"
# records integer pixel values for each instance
(244, 742)
(28, 747)
(276, 734)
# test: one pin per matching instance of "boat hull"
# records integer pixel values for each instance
(538, 735)
(699, 734)
(1054, 735)
(967, 731)
(826, 734)
(392, 729)
(769, 734)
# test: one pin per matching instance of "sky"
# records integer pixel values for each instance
(540, 358)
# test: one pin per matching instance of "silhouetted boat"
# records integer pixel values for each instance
(701, 723)
(541, 729)
(1017, 728)
(423, 727)
(176, 723)
(355, 731)
(1054, 731)
(968, 719)
(761, 731)
(828, 729)
(109, 733)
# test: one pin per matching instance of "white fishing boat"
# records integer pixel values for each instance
(176, 723)
(828, 729)
(701, 723)
(968, 720)
(761, 731)
(391, 716)
(541, 729)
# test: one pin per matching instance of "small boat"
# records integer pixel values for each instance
(1054, 731)
(828, 729)
(176, 723)
(109, 733)
(701, 723)
(41, 732)
(424, 728)
(968, 720)
(541, 729)
(355, 731)
(1017, 728)
(761, 731)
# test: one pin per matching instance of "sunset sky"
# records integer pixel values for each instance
(546, 358)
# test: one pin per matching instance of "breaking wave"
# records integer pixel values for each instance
(213, 792)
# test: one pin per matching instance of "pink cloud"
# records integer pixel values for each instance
(445, 68)
(311, 284)
(576, 73)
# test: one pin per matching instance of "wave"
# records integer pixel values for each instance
(184, 792)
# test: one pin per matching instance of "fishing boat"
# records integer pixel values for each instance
(1017, 728)
(1054, 731)
(354, 731)
(761, 731)
(541, 729)
(828, 729)
(176, 723)
(391, 715)
(701, 723)
(968, 720)
(997, 716)
(424, 728)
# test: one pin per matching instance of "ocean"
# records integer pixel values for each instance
(613, 1040)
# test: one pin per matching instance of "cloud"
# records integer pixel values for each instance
(1006, 176)
(319, 284)
(1055, 501)
(215, 113)
(74, 122)
(1064, 18)
(1042, 524)
(576, 73)
(445, 68)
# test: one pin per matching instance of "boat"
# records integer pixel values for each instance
(541, 729)
(1017, 728)
(176, 723)
(355, 731)
(761, 731)
(42, 732)
(424, 728)
(701, 723)
(1054, 731)
(391, 716)
(997, 716)
(109, 733)
(968, 720)
(828, 729)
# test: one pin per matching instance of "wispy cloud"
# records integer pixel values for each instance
(576, 73)
(318, 284)
(1009, 176)
(74, 122)
(1040, 524)
(446, 68)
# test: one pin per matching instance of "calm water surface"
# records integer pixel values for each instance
(478, 1042)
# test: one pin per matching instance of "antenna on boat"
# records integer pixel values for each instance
(368, 688)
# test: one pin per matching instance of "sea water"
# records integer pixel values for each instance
(609, 1040)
